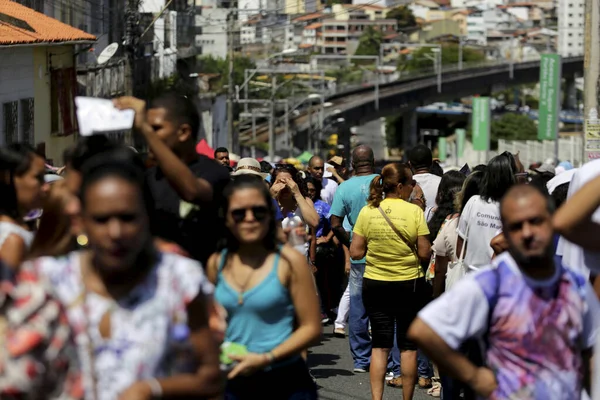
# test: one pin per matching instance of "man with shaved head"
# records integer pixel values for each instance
(350, 197)
(316, 168)
(538, 318)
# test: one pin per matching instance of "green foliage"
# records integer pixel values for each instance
(513, 126)
(369, 42)
(345, 75)
(418, 60)
(392, 134)
(171, 84)
(214, 65)
(404, 16)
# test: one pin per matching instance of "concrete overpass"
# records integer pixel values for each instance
(405, 95)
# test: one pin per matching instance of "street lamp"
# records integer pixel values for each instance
(437, 65)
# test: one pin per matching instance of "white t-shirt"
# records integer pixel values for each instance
(574, 256)
(8, 228)
(328, 191)
(140, 323)
(480, 220)
(429, 184)
(529, 317)
(445, 242)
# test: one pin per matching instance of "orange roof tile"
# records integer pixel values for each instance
(316, 25)
(22, 25)
(305, 46)
(308, 17)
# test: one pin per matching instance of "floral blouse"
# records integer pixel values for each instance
(37, 354)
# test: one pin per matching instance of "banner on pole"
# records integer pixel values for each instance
(461, 136)
(480, 121)
(442, 149)
(550, 74)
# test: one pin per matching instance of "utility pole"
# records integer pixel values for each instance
(272, 120)
(460, 53)
(591, 67)
(131, 43)
(231, 83)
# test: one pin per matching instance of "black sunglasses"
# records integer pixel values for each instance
(260, 213)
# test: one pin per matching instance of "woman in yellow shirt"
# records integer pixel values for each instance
(392, 232)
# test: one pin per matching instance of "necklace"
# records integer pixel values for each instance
(244, 286)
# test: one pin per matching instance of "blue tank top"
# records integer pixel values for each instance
(266, 317)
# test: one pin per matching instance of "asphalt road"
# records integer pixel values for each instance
(331, 364)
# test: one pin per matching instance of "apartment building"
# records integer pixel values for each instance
(570, 27)
(341, 37)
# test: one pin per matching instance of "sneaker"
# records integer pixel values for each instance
(324, 319)
(339, 333)
(389, 376)
(424, 383)
(358, 370)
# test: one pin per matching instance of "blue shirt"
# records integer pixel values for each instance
(350, 197)
(278, 214)
(323, 210)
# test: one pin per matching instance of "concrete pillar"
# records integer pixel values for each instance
(409, 130)
(570, 95)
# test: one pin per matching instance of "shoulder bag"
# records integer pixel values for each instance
(412, 246)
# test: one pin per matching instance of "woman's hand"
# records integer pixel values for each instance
(291, 184)
(137, 391)
(322, 239)
(276, 188)
(248, 364)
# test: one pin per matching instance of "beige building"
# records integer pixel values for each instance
(37, 71)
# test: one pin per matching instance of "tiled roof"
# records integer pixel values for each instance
(308, 17)
(22, 25)
(316, 25)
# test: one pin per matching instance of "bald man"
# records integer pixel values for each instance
(522, 305)
(316, 168)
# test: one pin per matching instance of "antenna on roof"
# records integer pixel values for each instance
(107, 53)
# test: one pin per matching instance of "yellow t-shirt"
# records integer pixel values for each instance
(388, 256)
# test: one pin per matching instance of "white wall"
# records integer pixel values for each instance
(213, 40)
(571, 14)
(16, 77)
(152, 6)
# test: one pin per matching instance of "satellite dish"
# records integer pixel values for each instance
(107, 53)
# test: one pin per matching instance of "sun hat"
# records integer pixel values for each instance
(249, 166)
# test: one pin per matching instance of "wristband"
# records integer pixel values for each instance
(155, 388)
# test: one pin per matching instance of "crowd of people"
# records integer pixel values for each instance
(177, 276)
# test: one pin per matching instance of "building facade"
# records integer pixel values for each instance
(571, 20)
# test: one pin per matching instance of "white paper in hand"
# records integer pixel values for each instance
(96, 115)
(327, 174)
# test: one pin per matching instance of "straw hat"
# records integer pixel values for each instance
(249, 166)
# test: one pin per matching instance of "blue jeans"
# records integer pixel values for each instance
(423, 365)
(358, 322)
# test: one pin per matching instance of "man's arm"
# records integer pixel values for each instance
(189, 187)
(339, 231)
(452, 362)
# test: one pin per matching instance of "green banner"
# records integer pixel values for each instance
(480, 122)
(461, 136)
(550, 72)
(442, 149)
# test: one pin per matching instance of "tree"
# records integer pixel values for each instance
(418, 60)
(404, 16)
(512, 126)
(215, 65)
(369, 42)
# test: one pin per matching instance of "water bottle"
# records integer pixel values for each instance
(181, 351)
(295, 238)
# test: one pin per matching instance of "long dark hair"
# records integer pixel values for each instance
(296, 176)
(471, 186)
(391, 176)
(15, 160)
(250, 182)
(316, 183)
(450, 184)
(498, 177)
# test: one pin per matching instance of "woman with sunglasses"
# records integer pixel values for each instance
(265, 289)
(393, 234)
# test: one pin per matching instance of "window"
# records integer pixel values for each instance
(10, 112)
(27, 121)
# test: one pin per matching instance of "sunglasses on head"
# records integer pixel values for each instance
(259, 212)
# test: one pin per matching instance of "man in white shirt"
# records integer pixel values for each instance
(420, 160)
(316, 168)
(524, 304)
